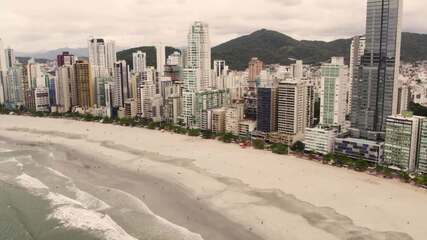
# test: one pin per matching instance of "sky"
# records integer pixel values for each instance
(39, 25)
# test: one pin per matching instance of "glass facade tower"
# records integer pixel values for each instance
(374, 95)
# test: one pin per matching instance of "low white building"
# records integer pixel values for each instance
(320, 140)
(246, 128)
(233, 115)
(42, 99)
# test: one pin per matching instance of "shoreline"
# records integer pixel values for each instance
(275, 196)
(303, 156)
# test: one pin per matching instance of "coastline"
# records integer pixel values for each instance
(272, 196)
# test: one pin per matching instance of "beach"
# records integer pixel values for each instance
(134, 183)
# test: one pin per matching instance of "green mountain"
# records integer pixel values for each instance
(150, 51)
(274, 47)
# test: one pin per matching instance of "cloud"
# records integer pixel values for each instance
(47, 24)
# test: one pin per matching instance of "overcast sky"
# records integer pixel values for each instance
(34, 25)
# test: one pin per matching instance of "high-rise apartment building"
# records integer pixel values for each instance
(121, 83)
(298, 70)
(64, 83)
(41, 96)
(102, 57)
(356, 52)
(161, 59)
(401, 141)
(84, 88)
(175, 59)
(199, 54)
(220, 70)
(266, 109)
(295, 108)
(139, 61)
(10, 57)
(333, 93)
(375, 92)
(254, 69)
(14, 85)
(3, 71)
(65, 59)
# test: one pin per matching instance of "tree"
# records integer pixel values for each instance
(278, 148)
(194, 132)
(298, 147)
(387, 172)
(227, 137)
(151, 125)
(421, 180)
(207, 134)
(258, 144)
(328, 158)
(361, 165)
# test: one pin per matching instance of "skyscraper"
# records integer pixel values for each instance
(375, 92)
(64, 78)
(219, 74)
(298, 70)
(333, 92)
(356, 52)
(295, 109)
(102, 56)
(3, 70)
(255, 68)
(139, 62)
(121, 84)
(161, 59)
(65, 59)
(199, 53)
(10, 57)
(266, 109)
(83, 84)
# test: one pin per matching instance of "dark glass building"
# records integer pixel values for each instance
(375, 90)
(266, 114)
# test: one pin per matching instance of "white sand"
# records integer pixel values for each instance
(277, 197)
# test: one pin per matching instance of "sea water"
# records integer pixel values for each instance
(40, 203)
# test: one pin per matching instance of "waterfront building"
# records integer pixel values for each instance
(41, 95)
(401, 141)
(320, 140)
(64, 79)
(216, 119)
(295, 109)
(84, 88)
(3, 72)
(357, 50)
(375, 92)
(130, 108)
(233, 116)
(333, 93)
(421, 165)
(266, 118)
(246, 128)
(121, 83)
(356, 148)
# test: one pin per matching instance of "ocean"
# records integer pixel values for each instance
(40, 203)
